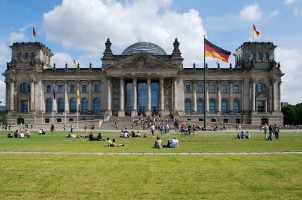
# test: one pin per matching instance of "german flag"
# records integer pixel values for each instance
(211, 50)
(256, 33)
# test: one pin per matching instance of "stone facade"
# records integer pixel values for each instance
(143, 80)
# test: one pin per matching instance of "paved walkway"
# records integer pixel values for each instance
(149, 153)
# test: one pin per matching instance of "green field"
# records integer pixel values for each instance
(74, 175)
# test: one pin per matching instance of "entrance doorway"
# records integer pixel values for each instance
(20, 120)
(264, 121)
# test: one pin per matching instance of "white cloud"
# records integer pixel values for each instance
(298, 12)
(251, 13)
(4, 58)
(85, 25)
(60, 59)
(290, 1)
(4, 55)
(291, 66)
(2, 92)
(20, 35)
(274, 13)
(16, 37)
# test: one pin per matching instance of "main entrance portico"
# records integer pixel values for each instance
(142, 81)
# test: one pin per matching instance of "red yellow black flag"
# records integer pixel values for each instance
(211, 50)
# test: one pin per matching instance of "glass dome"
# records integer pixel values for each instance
(144, 47)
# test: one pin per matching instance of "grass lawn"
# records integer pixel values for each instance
(151, 176)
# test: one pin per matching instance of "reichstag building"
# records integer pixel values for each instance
(143, 80)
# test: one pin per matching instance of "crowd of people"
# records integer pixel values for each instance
(270, 131)
(19, 134)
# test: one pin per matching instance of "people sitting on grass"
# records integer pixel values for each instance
(112, 143)
(16, 134)
(243, 135)
(71, 135)
(41, 131)
(99, 137)
(158, 143)
(10, 134)
(133, 134)
(27, 133)
(172, 143)
(124, 134)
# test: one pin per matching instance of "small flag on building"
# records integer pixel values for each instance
(256, 33)
(34, 34)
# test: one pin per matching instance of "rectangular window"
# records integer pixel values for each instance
(212, 89)
(188, 88)
(72, 88)
(260, 106)
(60, 88)
(96, 88)
(48, 88)
(199, 88)
(84, 89)
(224, 88)
(236, 89)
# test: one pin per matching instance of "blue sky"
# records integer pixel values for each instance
(77, 29)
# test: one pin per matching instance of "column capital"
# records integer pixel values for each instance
(252, 80)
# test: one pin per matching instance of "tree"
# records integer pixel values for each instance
(292, 114)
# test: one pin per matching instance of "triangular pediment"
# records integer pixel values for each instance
(142, 61)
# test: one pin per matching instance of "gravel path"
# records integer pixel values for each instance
(149, 153)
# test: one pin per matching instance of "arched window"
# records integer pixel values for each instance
(96, 105)
(260, 88)
(236, 105)
(84, 105)
(61, 105)
(224, 106)
(73, 105)
(48, 105)
(25, 87)
(200, 106)
(212, 106)
(188, 106)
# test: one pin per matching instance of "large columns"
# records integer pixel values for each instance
(121, 112)
(32, 96)
(149, 97)
(194, 98)
(66, 100)
(253, 95)
(134, 111)
(278, 103)
(242, 97)
(273, 95)
(54, 98)
(12, 96)
(219, 97)
(109, 94)
(42, 100)
(90, 95)
(161, 88)
(231, 97)
(207, 97)
(175, 94)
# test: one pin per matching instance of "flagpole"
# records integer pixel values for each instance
(204, 87)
